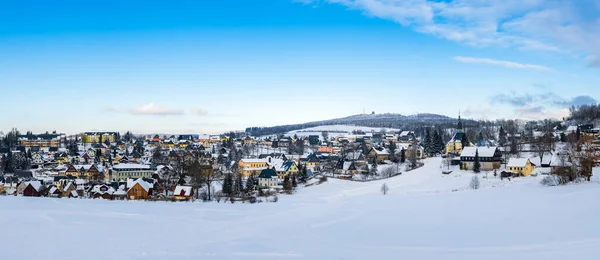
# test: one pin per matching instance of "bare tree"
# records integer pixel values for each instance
(384, 189)
(474, 183)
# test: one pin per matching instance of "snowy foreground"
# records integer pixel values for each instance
(426, 215)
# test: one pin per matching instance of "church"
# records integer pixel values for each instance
(455, 144)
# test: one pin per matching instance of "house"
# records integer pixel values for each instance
(69, 189)
(140, 190)
(406, 136)
(521, 166)
(55, 192)
(489, 158)
(248, 167)
(346, 168)
(101, 191)
(124, 171)
(268, 178)
(561, 161)
(32, 189)
(71, 171)
(288, 167)
(325, 149)
(183, 193)
(378, 154)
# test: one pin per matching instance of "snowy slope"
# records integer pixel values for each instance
(334, 130)
(421, 218)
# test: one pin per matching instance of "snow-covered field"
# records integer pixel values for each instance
(334, 130)
(426, 215)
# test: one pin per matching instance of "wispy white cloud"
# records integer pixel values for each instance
(557, 26)
(507, 64)
(153, 109)
(199, 111)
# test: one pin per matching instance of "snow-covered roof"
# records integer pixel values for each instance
(37, 185)
(74, 194)
(255, 160)
(143, 184)
(52, 190)
(517, 162)
(187, 191)
(382, 152)
(98, 189)
(123, 166)
(482, 151)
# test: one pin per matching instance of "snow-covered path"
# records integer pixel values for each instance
(421, 218)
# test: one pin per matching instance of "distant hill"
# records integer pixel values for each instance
(388, 120)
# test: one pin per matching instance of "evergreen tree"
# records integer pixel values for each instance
(373, 169)
(228, 185)
(402, 155)
(303, 176)
(427, 144)
(563, 137)
(9, 165)
(238, 186)
(476, 163)
(29, 155)
(250, 184)
(480, 139)
(439, 143)
(502, 137)
(464, 141)
(392, 148)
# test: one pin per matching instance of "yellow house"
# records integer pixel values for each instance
(521, 166)
(378, 155)
(286, 168)
(63, 159)
(247, 167)
(71, 171)
(98, 137)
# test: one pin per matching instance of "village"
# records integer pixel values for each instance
(238, 167)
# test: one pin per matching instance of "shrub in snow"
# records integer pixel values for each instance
(551, 180)
(384, 189)
(323, 179)
(474, 183)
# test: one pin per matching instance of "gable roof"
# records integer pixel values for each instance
(183, 191)
(37, 185)
(267, 174)
(142, 183)
(517, 162)
(483, 151)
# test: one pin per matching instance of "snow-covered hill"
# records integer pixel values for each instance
(426, 215)
(334, 130)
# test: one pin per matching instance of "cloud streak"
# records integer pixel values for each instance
(199, 111)
(556, 26)
(502, 63)
(153, 109)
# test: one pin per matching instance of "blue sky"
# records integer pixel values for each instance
(213, 66)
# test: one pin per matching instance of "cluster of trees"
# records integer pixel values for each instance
(10, 139)
(233, 185)
(433, 143)
(412, 123)
(585, 113)
(14, 162)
